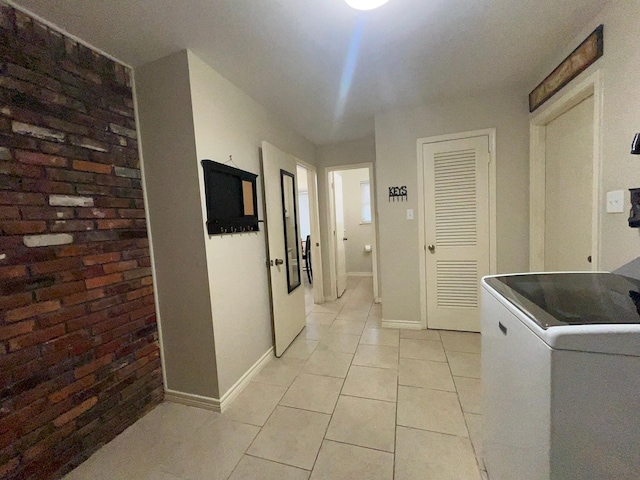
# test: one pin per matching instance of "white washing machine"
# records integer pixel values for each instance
(561, 376)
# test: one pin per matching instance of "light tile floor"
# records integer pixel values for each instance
(348, 400)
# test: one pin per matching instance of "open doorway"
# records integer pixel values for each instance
(352, 227)
(309, 235)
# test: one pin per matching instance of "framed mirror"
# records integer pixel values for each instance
(291, 237)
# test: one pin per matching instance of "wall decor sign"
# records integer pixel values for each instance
(398, 194)
(577, 62)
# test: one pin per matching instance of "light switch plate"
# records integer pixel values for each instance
(409, 213)
(615, 201)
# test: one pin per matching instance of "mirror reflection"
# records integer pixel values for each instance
(290, 216)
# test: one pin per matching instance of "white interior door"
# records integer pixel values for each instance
(569, 189)
(456, 185)
(340, 235)
(283, 246)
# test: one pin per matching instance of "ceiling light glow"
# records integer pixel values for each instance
(365, 4)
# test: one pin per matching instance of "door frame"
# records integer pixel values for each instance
(422, 245)
(574, 94)
(330, 222)
(314, 221)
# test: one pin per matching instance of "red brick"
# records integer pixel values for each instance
(46, 447)
(22, 227)
(114, 223)
(17, 359)
(55, 266)
(36, 337)
(102, 281)
(46, 213)
(10, 466)
(18, 170)
(96, 213)
(119, 266)
(141, 292)
(36, 158)
(110, 324)
(31, 310)
(71, 226)
(14, 301)
(131, 213)
(83, 297)
(108, 302)
(132, 367)
(63, 315)
(153, 365)
(75, 412)
(147, 281)
(13, 271)
(75, 387)
(101, 258)
(91, 167)
(72, 250)
(143, 312)
(110, 202)
(9, 213)
(93, 366)
(76, 343)
(21, 198)
(85, 321)
(60, 290)
(125, 331)
(147, 350)
(16, 329)
(34, 185)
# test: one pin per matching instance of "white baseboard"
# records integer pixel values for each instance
(404, 324)
(240, 385)
(192, 400)
(359, 274)
(219, 404)
(377, 300)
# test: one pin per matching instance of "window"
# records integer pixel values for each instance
(365, 202)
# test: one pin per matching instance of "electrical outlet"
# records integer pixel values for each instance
(615, 201)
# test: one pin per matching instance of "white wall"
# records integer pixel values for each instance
(228, 122)
(362, 150)
(397, 133)
(177, 238)
(621, 119)
(359, 234)
(211, 334)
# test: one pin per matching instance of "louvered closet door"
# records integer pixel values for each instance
(456, 230)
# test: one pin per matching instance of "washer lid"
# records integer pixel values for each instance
(565, 299)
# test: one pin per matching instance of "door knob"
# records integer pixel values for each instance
(279, 261)
(432, 248)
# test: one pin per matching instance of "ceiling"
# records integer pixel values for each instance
(324, 68)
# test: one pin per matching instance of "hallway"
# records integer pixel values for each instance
(347, 400)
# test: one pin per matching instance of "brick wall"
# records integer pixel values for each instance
(79, 357)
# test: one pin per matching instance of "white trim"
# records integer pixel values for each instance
(329, 221)
(359, 274)
(314, 222)
(552, 109)
(402, 324)
(244, 380)
(377, 300)
(65, 33)
(493, 248)
(192, 400)
(215, 404)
